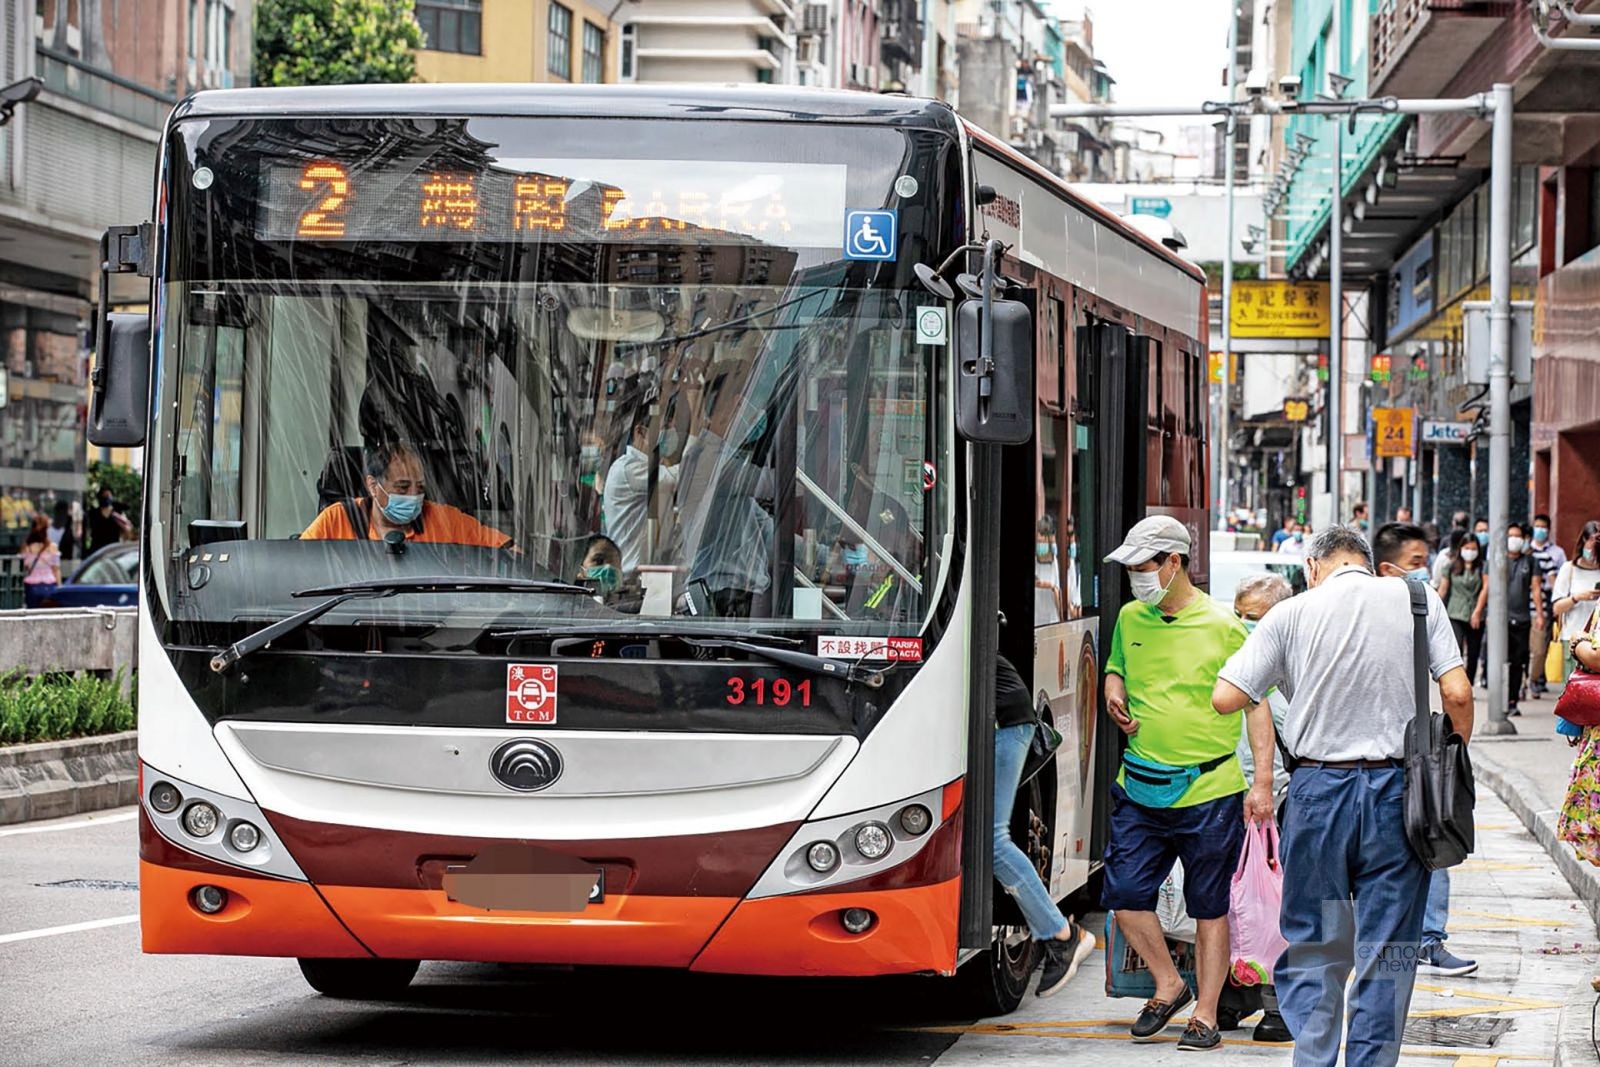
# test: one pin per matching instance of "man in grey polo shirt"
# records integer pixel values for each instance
(1354, 891)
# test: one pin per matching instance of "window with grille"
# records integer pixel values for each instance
(559, 61)
(451, 25)
(594, 53)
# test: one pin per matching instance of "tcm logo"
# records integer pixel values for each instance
(526, 765)
(530, 693)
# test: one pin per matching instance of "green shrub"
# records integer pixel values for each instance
(50, 707)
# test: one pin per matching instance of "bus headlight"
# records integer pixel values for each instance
(915, 819)
(822, 857)
(165, 798)
(873, 841)
(210, 899)
(200, 819)
(244, 836)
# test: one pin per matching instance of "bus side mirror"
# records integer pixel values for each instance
(119, 403)
(994, 403)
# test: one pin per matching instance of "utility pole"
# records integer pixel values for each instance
(1336, 284)
(1221, 442)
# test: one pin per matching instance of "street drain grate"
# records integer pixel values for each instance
(1470, 1032)
(89, 883)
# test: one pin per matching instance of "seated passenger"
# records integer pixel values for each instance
(396, 500)
(601, 564)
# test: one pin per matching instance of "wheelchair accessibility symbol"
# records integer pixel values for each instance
(870, 234)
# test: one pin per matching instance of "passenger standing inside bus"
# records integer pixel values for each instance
(626, 500)
(1354, 891)
(1047, 605)
(1180, 793)
(1065, 944)
(397, 500)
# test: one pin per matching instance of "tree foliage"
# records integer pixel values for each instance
(125, 483)
(335, 42)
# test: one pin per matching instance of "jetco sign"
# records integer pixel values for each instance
(1435, 432)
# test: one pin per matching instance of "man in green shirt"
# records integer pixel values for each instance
(1180, 793)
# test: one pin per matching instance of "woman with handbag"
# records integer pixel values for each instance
(1065, 943)
(41, 564)
(1579, 709)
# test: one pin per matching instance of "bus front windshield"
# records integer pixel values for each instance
(630, 354)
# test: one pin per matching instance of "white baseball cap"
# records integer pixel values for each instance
(1149, 538)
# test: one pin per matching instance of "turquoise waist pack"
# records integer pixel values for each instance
(1158, 785)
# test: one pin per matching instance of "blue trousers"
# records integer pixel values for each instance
(1012, 868)
(1353, 899)
(1438, 910)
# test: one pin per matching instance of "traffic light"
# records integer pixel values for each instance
(1382, 368)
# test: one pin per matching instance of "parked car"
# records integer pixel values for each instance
(1228, 569)
(108, 578)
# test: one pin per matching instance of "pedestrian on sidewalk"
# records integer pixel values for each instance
(1524, 609)
(1354, 890)
(1400, 552)
(1180, 793)
(1256, 595)
(1579, 823)
(1466, 598)
(1578, 588)
(1452, 542)
(1548, 558)
(1064, 944)
(41, 564)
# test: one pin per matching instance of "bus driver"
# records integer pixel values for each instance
(396, 500)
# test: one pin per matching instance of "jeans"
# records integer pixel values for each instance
(1354, 894)
(1012, 868)
(1438, 909)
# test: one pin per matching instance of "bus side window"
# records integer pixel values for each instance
(1051, 564)
(1083, 471)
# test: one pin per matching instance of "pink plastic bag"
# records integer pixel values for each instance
(1254, 940)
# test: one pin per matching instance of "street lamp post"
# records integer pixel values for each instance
(1224, 497)
(1495, 106)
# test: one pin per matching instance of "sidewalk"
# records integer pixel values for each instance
(1528, 772)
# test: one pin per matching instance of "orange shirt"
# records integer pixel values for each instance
(440, 523)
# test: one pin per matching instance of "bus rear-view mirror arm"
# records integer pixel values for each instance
(119, 402)
(994, 362)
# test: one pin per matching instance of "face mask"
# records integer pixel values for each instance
(855, 555)
(1421, 574)
(1588, 555)
(1468, 555)
(1483, 537)
(1043, 550)
(1072, 550)
(1298, 536)
(605, 576)
(1363, 524)
(1541, 534)
(669, 441)
(1147, 586)
(402, 509)
(1515, 544)
(1250, 624)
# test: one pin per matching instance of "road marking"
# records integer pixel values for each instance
(75, 824)
(70, 928)
(1069, 1030)
(1491, 865)
(1500, 921)
(1495, 1003)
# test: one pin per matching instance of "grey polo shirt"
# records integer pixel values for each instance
(1342, 655)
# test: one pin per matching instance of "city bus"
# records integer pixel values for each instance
(580, 524)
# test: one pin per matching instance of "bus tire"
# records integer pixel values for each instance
(358, 979)
(995, 980)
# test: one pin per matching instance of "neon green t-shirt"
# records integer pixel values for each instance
(1170, 667)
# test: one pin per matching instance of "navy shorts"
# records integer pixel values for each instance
(1145, 841)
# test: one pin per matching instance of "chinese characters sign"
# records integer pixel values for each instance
(1391, 432)
(1279, 309)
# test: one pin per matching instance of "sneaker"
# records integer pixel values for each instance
(1063, 958)
(1512, 711)
(1198, 1037)
(1436, 959)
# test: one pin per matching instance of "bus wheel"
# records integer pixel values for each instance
(358, 979)
(994, 981)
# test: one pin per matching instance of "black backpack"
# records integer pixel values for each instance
(1439, 792)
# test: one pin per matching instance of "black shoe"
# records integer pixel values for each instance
(1227, 1019)
(1512, 711)
(1063, 958)
(1157, 1014)
(1272, 1028)
(1198, 1037)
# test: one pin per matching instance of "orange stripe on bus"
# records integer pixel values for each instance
(263, 917)
(914, 930)
(952, 798)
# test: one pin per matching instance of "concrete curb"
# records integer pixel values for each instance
(55, 778)
(1573, 1035)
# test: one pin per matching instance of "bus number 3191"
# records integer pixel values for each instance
(779, 693)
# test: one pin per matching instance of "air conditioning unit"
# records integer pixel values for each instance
(815, 19)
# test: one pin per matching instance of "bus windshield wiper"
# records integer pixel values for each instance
(771, 647)
(374, 589)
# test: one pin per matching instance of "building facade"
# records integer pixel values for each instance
(518, 41)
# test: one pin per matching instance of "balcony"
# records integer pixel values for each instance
(103, 90)
(1419, 45)
(902, 34)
